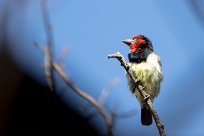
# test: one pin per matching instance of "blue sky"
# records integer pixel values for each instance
(93, 29)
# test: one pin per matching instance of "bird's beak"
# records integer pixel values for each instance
(128, 41)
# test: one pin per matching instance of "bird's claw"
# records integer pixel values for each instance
(147, 96)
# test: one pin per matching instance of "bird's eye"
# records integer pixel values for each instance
(135, 40)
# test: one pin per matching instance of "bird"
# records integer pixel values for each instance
(146, 66)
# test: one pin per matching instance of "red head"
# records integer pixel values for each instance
(138, 42)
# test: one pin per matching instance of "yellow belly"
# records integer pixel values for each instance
(149, 77)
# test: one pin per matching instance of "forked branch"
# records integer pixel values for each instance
(94, 102)
(48, 51)
(50, 65)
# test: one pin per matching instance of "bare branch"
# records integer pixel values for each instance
(104, 94)
(50, 66)
(62, 55)
(142, 92)
(48, 59)
(104, 114)
(106, 90)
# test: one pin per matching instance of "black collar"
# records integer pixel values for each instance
(139, 56)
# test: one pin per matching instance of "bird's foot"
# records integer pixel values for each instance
(147, 96)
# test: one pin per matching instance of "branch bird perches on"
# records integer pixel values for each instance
(141, 90)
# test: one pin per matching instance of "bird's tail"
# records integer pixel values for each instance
(146, 116)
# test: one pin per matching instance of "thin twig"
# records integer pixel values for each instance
(50, 65)
(106, 90)
(62, 55)
(48, 59)
(104, 114)
(142, 92)
(104, 94)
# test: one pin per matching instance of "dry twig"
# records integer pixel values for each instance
(48, 52)
(94, 102)
(50, 65)
(142, 92)
(106, 90)
(104, 94)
